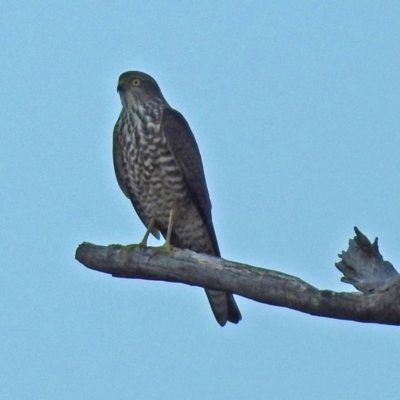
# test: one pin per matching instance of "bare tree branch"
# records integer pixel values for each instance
(362, 266)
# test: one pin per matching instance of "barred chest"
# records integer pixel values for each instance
(150, 171)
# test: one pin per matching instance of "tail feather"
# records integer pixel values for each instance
(223, 306)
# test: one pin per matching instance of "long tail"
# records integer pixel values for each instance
(223, 306)
(192, 232)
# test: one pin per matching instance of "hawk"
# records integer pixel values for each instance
(158, 167)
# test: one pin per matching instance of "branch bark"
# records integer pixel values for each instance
(362, 266)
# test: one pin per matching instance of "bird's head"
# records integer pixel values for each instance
(136, 88)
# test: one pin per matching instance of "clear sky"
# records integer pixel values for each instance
(295, 107)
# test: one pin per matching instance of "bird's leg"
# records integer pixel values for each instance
(167, 243)
(143, 242)
(166, 247)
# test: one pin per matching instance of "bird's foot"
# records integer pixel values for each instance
(142, 243)
(165, 248)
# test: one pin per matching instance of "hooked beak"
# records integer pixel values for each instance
(120, 87)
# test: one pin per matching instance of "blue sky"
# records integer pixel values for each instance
(295, 107)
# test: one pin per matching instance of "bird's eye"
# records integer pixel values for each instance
(135, 82)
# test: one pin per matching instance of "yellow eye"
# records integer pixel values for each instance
(135, 82)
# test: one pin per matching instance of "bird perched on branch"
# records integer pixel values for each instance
(159, 168)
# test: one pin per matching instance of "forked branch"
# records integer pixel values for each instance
(361, 264)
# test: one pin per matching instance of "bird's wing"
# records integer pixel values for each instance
(183, 146)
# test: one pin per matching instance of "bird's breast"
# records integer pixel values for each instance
(152, 174)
